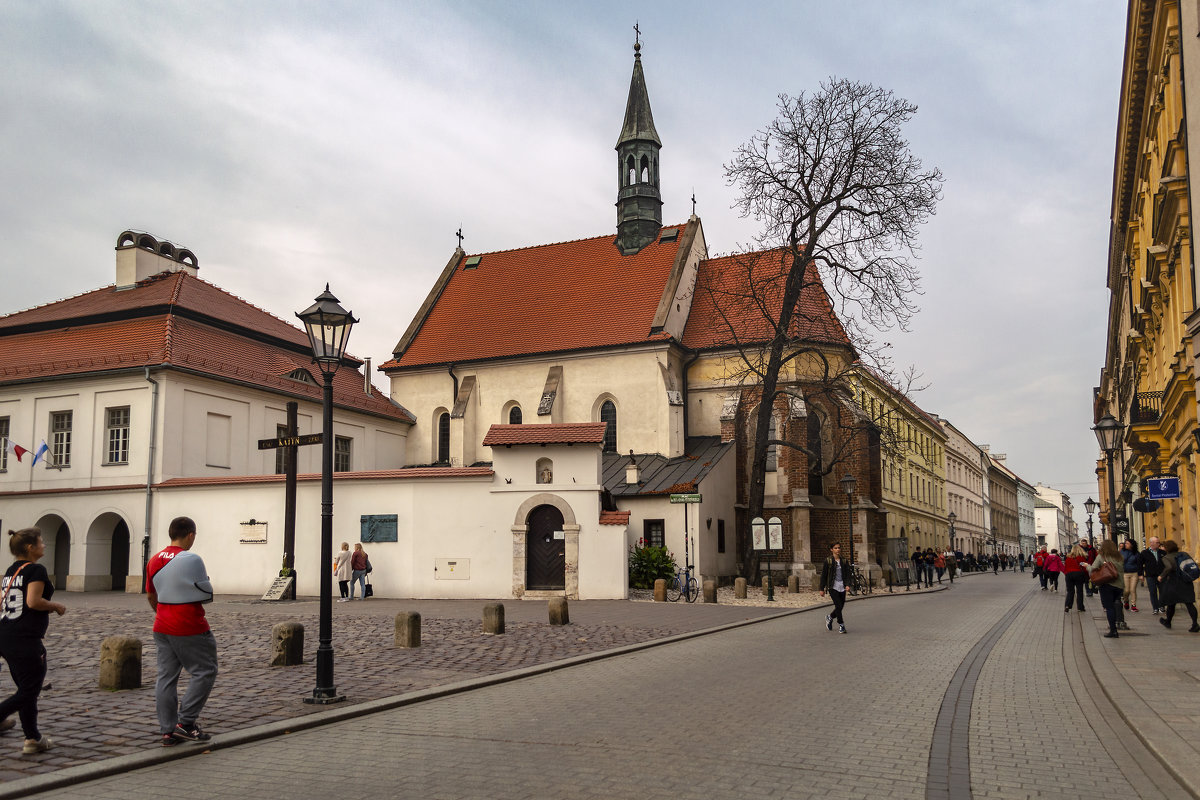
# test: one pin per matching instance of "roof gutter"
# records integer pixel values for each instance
(684, 370)
(150, 473)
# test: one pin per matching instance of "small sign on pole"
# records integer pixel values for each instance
(758, 533)
(686, 498)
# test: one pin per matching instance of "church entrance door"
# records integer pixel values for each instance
(545, 550)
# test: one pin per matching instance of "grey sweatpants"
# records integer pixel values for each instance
(198, 655)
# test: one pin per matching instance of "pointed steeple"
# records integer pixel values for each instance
(639, 201)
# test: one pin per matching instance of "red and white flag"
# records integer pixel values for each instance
(15, 449)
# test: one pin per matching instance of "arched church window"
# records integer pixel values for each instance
(514, 415)
(443, 440)
(817, 458)
(631, 170)
(608, 415)
(773, 449)
(645, 170)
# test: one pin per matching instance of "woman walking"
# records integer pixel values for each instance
(834, 575)
(343, 572)
(24, 617)
(1110, 590)
(1175, 587)
(1075, 573)
(1053, 566)
(1133, 573)
(358, 571)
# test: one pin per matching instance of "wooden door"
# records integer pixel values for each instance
(545, 553)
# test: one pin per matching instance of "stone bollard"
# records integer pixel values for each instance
(121, 663)
(408, 629)
(660, 590)
(739, 588)
(793, 584)
(710, 591)
(493, 618)
(287, 644)
(558, 611)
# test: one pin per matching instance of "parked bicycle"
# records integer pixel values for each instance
(683, 585)
(859, 583)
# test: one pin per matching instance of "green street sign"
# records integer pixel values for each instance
(686, 498)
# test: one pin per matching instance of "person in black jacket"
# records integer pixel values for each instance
(1152, 558)
(835, 574)
(1176, 587)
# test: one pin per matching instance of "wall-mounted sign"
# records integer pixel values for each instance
(253, 532)
(1163, 487)
(378, 528)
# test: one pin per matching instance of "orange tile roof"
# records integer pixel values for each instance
(614, 517)
(566, 433)
(412, 473)
(173, 320)
(726, 309)
(555, 297)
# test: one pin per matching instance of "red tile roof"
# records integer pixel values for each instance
(614, 517)
(726, 307)
(379, 474)
(567, 433)
(173, 320)
(555, 297)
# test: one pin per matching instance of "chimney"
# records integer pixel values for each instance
(631, 470)
(367, 376)
(140, 256)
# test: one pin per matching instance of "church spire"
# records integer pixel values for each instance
(639, 202)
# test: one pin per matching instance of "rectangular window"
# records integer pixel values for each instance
(280, 452)
(3, 444)
(218, 444)
(653, 533)
(720, 536)
(60, 434)
(116, 435)
(341, 453)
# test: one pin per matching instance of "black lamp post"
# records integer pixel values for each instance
(995, 542)
(328, 326)
(1108, 434)
(1090, 506)
(952, 516)
(849, 484)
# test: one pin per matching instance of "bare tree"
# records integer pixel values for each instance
(840, 199)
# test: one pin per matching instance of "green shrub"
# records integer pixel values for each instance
(646, 564)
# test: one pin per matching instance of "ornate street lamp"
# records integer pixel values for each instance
(1090, 506)
(849, 484)
(952, 517)
(1108, 433)
(328, 326)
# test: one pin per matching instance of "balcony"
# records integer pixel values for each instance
(1146, 408)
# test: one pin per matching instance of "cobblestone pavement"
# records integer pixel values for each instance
(780, 708)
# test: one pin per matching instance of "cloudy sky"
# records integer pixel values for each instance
(293, 143)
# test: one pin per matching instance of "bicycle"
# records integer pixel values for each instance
(683, 585)
(859, 584)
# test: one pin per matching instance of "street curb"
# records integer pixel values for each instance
(1176, 757)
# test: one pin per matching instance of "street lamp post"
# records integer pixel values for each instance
(1090, 506)
(1108, 433)
(328, 327)
(849, 484)
(952, 517)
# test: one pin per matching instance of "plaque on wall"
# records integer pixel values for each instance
(379, 528)
(253, 532)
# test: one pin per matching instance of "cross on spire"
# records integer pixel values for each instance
(637, 40)
(458, 233)
(693, 202)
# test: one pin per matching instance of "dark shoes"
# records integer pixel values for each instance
(169, 740)
(191, 733)
(1166, 623)
(829, 622)
(1194, 629)
(1112, 635)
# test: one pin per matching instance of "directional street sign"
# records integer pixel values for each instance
(289, 441)
(686, 498)
(1164, 487)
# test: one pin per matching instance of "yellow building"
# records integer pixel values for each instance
(913, 463)
(1148, 380)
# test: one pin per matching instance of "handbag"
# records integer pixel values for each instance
(1105, 573)
(368, 590)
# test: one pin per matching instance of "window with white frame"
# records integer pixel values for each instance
(280, 452)
(116, 435)
(3, 444)
(341, 453)
(60, 434)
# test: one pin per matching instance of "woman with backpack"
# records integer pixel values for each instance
(1176, 585)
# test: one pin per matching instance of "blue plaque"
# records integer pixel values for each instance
(379, 528)
(1164, 487)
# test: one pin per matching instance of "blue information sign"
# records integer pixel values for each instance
(1165, 487)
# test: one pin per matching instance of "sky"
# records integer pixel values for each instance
(290, 144)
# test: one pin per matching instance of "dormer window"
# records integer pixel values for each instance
(302, 375)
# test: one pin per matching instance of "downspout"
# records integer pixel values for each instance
(684, 375)
(150, 473)
(453, 397)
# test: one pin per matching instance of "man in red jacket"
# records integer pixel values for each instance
(1039, 563)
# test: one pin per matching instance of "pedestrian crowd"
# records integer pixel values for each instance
(1115, 574)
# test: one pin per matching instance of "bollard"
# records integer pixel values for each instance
(739, 588)
(558, 611)
(793, 584)
(660, 590)
(287, 644)
(493, 618)
(121, 663)
(408, 629)
(710, 591)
